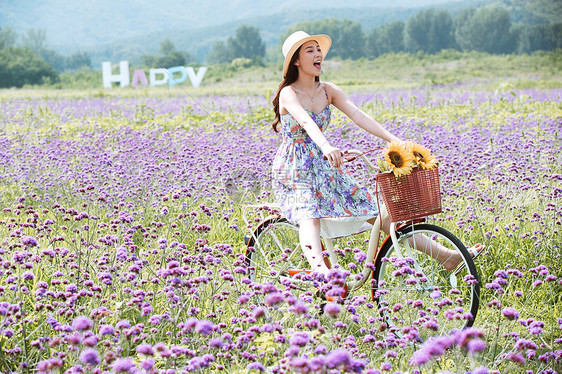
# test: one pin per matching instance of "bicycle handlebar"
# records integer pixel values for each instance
(353, 154)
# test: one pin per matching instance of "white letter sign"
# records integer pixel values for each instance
(196, 79)
(122, 77)
(158, 82)
(158, 77)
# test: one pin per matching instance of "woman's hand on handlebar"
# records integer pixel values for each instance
(333, 155)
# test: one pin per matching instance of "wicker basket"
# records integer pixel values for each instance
(412, 196)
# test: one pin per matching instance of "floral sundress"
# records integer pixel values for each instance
(307, 186)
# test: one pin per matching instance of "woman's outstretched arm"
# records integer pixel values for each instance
(340, 100)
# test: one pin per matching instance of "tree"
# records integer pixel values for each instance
(534, 12)
(443, 31)
(78, 60)
(174, 58)
(485, 30)
(429, 31)
(386, 39)
(20, 66)
(170, 57)
(246, 44)
(348, 38)
(36, 40)
(463, 28)
(56, 60)
(167, 47)
(350, 41)
(218, 54)
(538, 37)
(8, 37)
(374, 43)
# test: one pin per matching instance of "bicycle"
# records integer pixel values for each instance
(409, 286)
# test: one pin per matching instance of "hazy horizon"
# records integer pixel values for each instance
(91, 23)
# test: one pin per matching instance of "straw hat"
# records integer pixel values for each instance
(298, 38)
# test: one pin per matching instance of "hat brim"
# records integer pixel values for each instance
(323, 41)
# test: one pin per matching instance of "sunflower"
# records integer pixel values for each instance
(399, 158)
(423, 156)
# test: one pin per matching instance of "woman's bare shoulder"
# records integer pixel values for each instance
(331, 86)
(333, 90)
(287, 90)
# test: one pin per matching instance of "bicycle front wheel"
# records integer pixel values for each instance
(413, 288)
(274, 255)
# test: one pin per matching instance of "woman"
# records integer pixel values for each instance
(310, 182)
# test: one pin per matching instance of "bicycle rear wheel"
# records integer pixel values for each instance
(273, 254)
(415, 290)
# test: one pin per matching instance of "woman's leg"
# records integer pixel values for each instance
(448, 258)
(309, 235)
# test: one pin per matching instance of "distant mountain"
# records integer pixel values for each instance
(113, 29)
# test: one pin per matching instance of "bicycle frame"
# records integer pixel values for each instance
(373, 247)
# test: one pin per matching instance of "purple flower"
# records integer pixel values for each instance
(123, 324)
(360, 256)
(292, 351)
(299, 363)
(29, 241)
(148, 364)
(216, 343)
(106, 330)
(123, 365)
(480, 370)
(475, 345)
(299, 339)
(204, 327)
(386, 366)
(332, 309)
(74, 339)
(525, 344)
(432, 347)
(255, 366)
(536, 327)
(420, 357)
(50, 364)
(321, 350)
(337, 358)
(82, 323)
(462, 337)
(145, 349)
(274, 298)
(510, 313)
(90, 341)
(516, 357)
(316, 364)
(90, 356)
(431, 325)
(299, 308)
(259, 312)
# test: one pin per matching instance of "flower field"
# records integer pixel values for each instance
(121, 236)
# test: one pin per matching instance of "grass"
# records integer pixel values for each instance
(152, 186)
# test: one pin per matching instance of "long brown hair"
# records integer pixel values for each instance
(290, 78)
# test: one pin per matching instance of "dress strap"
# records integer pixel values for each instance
(325, 91)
